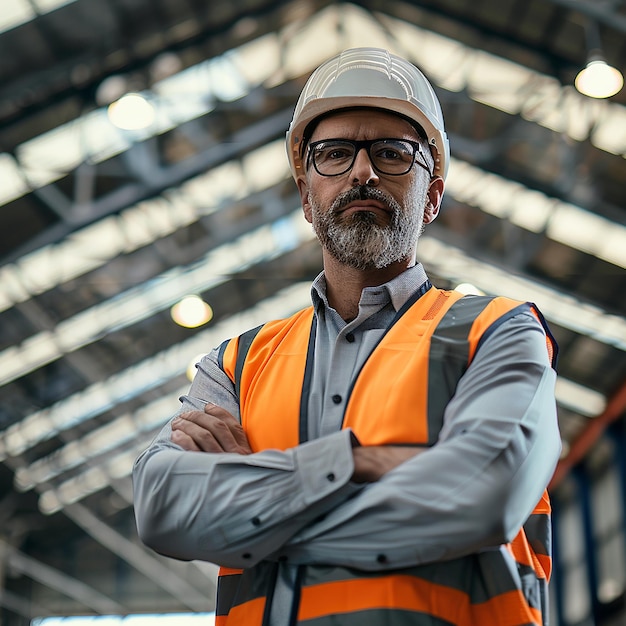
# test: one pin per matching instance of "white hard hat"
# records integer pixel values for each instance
(373, 78)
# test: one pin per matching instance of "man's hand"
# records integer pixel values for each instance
(372, 462)
(214, 430)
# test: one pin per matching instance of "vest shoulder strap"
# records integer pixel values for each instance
(242, 347)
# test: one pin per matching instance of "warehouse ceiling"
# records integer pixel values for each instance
(102, 230)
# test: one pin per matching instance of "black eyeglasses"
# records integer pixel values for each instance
(392, 157)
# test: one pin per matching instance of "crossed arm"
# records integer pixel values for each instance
(215, 430)
(201, 494)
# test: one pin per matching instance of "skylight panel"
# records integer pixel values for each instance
(14, 13)
(17, 12)
(45, 6)
(13, 183)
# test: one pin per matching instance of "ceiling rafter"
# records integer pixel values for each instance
(61, 582)
(603, 12)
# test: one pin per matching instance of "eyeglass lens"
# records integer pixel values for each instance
(389, 156)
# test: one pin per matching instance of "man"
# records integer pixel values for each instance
(382, 456)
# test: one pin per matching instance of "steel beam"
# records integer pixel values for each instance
(138, 557)
(61, 582)
(599, 11)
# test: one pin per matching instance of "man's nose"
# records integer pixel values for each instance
(363, 172)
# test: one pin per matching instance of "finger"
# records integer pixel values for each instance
(230, 435)
(219, 412)
(211, 412)
(234, 425)
(226, 431)
(212, 434)
(184, 441)
(242, 440)
(201, 436)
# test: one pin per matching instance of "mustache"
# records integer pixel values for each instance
(364, 192)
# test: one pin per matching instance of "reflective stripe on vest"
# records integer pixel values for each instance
(423, 354)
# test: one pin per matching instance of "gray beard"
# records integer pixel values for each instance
(358, 241)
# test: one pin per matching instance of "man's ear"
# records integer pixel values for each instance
(303, 188)
(435, 194)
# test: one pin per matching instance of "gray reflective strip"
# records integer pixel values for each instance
(245, 341)
(449, 357)
(226, 591)
(539, 533)
(376, 617)
(236, 589)
(220, 353)
(481, 576)
(303, 428)
(319, 574)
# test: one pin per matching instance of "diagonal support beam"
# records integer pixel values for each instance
(64, 584)
(21, 606)
(12, 601)
(139, 558)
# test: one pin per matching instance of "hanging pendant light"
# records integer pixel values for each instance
(131, 112)
(598, 79)
(191, 312)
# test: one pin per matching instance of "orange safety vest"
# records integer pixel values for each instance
(413, 372)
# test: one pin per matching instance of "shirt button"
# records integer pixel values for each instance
(381, 558)
(336, 398)
(246, 555)
(256, 521)
(350, 338)
(330, 477)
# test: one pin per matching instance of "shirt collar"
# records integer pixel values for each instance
(397, 291)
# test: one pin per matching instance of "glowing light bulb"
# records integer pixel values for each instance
(191, 312)
(599, 80)
(131, 112)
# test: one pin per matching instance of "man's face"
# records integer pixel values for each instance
(365, 219)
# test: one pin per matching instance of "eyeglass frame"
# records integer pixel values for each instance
(367, 145)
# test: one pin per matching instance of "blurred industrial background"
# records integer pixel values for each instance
(108, 220)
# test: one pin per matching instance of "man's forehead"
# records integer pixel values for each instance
(368, 121)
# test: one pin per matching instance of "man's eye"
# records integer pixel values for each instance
(389, 154)
(333, 154)
(338, 153)
(393, 152)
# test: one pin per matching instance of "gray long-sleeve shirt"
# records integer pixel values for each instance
(473, 489)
